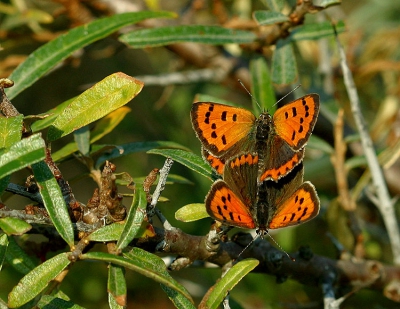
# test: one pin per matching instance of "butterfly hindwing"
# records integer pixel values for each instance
(224, 205)
(300, 207)
(231, 200)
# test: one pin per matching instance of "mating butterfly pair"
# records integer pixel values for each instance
(260, 159)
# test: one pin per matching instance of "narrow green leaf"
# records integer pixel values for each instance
(269, 17)
(275, 5)
(328, 3)
(316, 31)
(49, 116)
(4, 183)
(47, 56)
(10, 130)
(179, 300)
(116, 284)
(133, 221)
(191, 212)
(318, 143)
(188, 159)
(14, 226)
(111, 232)
(123, 150)
(18, 259)
(284, 67)
(37, 280)
(228, 282)
(113, 303)
(355, 162)
(51, 302)
(102, 127)
(189, 33)
(104, 97)
(54, 201)
(262, 88)
(25, 152)
(142, 262)
(3, 248)
(82, 140)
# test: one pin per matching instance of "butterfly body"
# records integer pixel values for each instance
(226, 131)
(239, 200)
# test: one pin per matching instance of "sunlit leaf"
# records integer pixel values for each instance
(104, 97)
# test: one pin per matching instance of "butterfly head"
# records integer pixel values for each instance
(264, 126)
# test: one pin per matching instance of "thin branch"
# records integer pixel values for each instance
(385, 205)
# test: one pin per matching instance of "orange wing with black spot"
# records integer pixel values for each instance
(294, 122)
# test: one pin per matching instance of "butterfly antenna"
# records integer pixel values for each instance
(290, 92)
(252, 97)
(293, 259)
(248, 245)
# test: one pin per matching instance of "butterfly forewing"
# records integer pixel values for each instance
(224, 205)
(220, 127)
(301, 207)
(295, 121)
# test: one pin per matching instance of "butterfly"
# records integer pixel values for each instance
(238, 200)
(226, 131)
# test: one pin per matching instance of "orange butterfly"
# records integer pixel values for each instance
(239, 201)
(279, 140)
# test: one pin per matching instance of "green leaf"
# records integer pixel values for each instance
(319, 144)
(37, 280)
(3, 248)
(316, 31)
(111, 232)
(104, 97)
(49, 116)
(54, 201)
(10, 130)
(328, 3)
(191, 212)
(102, 127)
(49, 55)
(189, 33)
(228, 282)
(113, 303)
(4, 183)
(262, 88)
(134, 219)
(51, 302)
(284, 67)
(269, 17)
(275, 5)
(188, 159)
(25, 152)
(14, 226)
(82, 140)
(355, 162)
(123, 150)
(179, 300)
(142, 262)
(18, 259)
(116, 284)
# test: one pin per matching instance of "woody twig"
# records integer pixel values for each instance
(385, 204)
